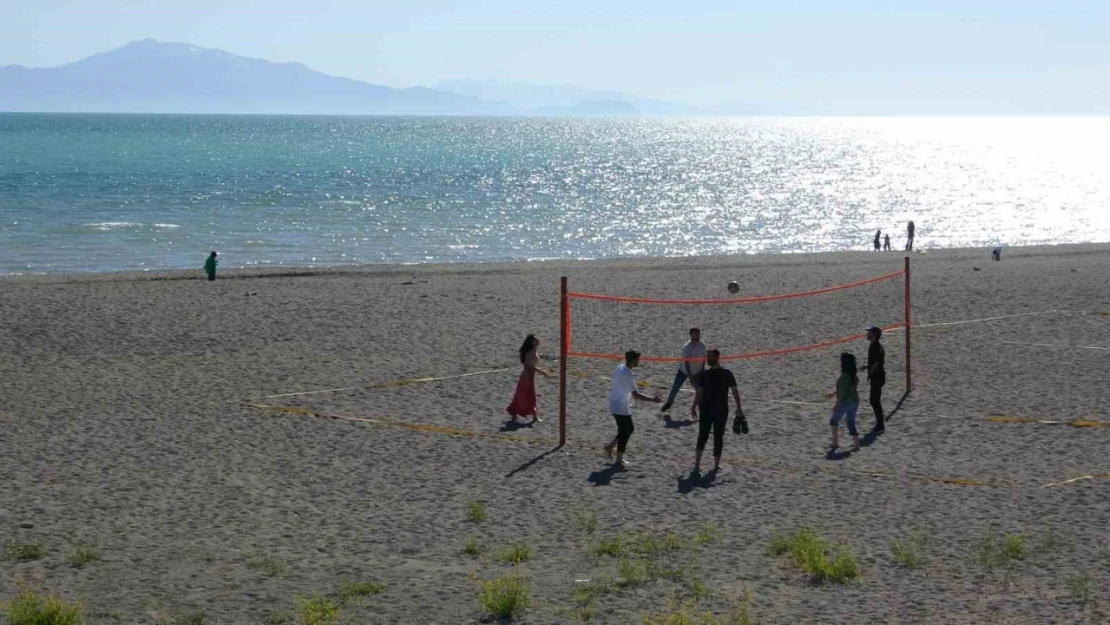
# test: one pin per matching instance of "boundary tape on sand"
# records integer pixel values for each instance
(389, 383)
(418, 427)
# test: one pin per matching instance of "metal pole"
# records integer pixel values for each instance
(564, 314)
(909, 376)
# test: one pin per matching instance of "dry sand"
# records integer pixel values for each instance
(122, 424)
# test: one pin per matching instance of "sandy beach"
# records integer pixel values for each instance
(125, 422)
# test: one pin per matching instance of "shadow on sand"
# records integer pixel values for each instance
(604, 476)
(533, 461)
(694, 480)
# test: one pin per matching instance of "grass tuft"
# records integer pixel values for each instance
(687, 613)
(471, 547)
(816, 556)
(707, 535)
(996, 550)
(24, 552)
(505, 597)
(638, 544)
(316, 610)
(586, 520)
(271, 566)
(476, 511)
(905, 553)
(29, 607)
(357, 592)
(81, 554)
(516, 553)
(1081, 587)
(278, 618)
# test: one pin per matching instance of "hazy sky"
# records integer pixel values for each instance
(936, 55)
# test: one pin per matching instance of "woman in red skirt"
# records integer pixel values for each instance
(524, 399)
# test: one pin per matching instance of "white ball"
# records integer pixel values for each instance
(733, 288)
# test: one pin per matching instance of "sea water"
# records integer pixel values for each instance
(137, 192)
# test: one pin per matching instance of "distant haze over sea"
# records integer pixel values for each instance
(119, 192)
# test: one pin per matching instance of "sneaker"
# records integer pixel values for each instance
(854, 447)
(878, 429)
(621, 465)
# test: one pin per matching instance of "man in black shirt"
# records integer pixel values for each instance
(876, 374)
(714, 385)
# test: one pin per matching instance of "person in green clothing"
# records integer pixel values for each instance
(847, 401)
(210, 265)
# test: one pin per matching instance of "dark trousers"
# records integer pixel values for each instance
(877, 401)
(624, 430)
(211, 275)
(717, 424)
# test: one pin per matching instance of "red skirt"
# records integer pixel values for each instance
(524, 399)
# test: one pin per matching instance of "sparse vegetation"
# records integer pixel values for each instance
(316, 610)
(637, 544)
(707, 535)
(271, 566)
(585, 598)
(1081, 587)
(278, 618)
(585, 519)
(24, 552)
(816, 556)
(81, 554)
(476, 511)
(196, 618)
(357, 592)
(905, 553)
(996, 550)
(516, 553)
(688, 614)
(471, 547)
(30, 607)
(697, 588)
(505, 597)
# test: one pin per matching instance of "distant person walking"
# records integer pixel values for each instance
(847, 402)
(909, 236)
(524, 398)
(693, 354)
(878, 235)
(996, 253)
(714, 385)
(886, 242)
(620, 404)
(210, 265)
(876, 375)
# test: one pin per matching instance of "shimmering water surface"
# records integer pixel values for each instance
(106, 192)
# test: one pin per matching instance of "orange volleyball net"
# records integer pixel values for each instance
(601, 327)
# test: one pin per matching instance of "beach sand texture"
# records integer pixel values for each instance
(123, 423)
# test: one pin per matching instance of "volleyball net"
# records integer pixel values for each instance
(600, 328)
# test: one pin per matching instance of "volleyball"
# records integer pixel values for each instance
(733, 287)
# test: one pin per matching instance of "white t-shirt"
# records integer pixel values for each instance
(693, 350)
(620, 397)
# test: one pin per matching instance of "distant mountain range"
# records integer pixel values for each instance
(153, 77)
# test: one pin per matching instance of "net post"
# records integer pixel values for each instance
(564, 305)
(909, 375)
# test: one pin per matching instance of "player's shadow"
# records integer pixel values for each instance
(513, 426)
(674, 425)
(839, 454)
(533, 461)
(604, 476)
(694, 480)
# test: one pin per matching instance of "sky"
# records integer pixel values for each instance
(941, 56)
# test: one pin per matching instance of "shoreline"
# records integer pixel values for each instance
(780, 259)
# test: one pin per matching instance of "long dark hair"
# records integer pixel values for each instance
(848, 363)
(527, 346)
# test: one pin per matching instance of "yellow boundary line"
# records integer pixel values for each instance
(389, 383)
(418, 427)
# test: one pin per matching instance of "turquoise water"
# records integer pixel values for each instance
(108, 192)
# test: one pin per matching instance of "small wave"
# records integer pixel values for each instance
(167, 225)
(111, 225)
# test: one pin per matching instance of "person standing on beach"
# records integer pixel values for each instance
(210, 265)
(909, 236)
(620, 404)
(693, 362)
(714, 385)
(847, 402)
(876, 375)
(878, 234)
(524, 399)
(886, 242)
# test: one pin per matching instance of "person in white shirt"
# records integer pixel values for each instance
(620, 404)
(688, 369)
